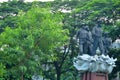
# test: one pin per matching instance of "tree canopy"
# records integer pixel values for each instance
(39, 37)
(38, 34)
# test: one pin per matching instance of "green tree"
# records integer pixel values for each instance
(89, 11)
(33, 42)
(9, 11)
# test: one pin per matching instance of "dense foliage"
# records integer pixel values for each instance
(25, 48)
(34, 40)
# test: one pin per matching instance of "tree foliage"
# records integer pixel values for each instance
(38, 34)
(33, 40)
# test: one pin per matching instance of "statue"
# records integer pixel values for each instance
(89, 41)
(85, 40)
(82, 36)
(97, 37)
(107, 41)
(89, 64)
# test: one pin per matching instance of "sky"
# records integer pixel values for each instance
(28, 0)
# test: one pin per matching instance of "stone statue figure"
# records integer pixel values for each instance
(97, 37)
(82, 36)
(85, 40)
(89, 41)
(107, 42)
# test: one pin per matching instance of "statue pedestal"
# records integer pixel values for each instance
(89, 66)
(94, 76)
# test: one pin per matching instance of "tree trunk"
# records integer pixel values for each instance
(22, 77)
(58, 70)
(58, 74)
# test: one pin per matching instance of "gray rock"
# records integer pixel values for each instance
(95, 63)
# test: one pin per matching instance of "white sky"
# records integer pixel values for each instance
(28, 0)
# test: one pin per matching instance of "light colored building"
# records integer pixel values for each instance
(116, 44)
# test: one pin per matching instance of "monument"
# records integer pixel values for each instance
(93, 65)
(85, 40)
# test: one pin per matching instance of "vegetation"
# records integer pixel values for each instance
(37, 38)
